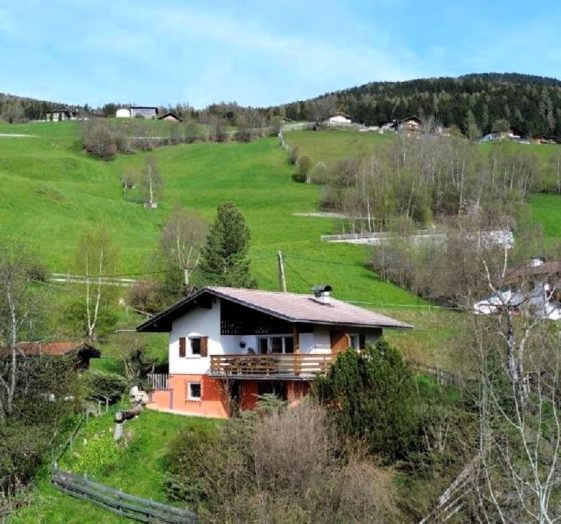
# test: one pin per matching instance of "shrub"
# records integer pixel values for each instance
(277, 466)
(371, 396)
(104, 386)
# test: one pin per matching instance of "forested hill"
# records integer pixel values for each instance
(530, 104)
(15, 108)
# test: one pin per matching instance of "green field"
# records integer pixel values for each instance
(137, 468)
(52, 190)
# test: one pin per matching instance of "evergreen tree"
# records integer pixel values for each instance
(224, 259)
(371, 396)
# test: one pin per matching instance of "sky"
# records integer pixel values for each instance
(261, 52)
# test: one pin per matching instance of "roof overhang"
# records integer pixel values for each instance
(162, 322)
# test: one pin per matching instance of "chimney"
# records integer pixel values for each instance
(322, 293)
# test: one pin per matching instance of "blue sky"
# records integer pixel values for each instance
(261, 52)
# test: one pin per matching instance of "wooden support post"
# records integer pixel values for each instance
(282, 277)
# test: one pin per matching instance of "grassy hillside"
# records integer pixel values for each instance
(52, 190)
(138, 468)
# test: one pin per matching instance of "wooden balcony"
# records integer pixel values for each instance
(273, 366)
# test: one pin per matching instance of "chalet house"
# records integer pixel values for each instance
(230, 345)
(338, 119)
(61, 113)
(410, 125)
(80, 352)
(170, 117)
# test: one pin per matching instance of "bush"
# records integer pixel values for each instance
(104, 386)
(371, 396)
(277, 466)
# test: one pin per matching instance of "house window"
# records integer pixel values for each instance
(357, 341)
(197, 347)
(276, 344)
(193, 391)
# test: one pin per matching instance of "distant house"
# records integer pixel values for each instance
(232, 345)
(410, 125)
(533, 288)
(338, 119)
(170, 117)
(144, 112)
(61, 113)
(80, 352)
(137, 112)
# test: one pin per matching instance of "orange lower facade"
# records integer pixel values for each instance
(216, 394)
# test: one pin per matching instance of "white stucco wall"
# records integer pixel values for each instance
(199, 322)
(123, 113)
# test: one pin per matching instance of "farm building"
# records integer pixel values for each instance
(137, 112)
(338, 119)
(170, 117)
(231, 344)
(123, 112)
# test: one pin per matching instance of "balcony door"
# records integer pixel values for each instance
(276, 344)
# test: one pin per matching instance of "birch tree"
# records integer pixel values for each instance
(152, 183)
(180, 244)
(519, 478)
(96, 257)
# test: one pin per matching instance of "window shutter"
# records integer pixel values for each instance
(204, 346)
(182, 346)
(362, 341)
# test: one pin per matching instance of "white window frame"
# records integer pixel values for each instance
(269, 339)
(188, 394)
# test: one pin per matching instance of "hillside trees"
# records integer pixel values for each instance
(529, 103)
(224, 259)
(429, 176)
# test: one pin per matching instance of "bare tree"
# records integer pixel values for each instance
(519, 479)
(152, 182)
(96, 257)
(181, 240)
(19, 305)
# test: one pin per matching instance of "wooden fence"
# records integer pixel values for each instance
(123, 504)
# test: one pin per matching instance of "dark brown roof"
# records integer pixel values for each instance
(290, 307)
(546, 269)
(57, 349)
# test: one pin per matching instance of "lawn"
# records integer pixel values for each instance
(138, 468)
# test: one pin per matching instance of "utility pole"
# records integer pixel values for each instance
(282, 278)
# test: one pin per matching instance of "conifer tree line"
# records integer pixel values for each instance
(530, 105)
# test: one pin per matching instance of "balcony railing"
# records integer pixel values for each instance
(275, 365)
(158, 381)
